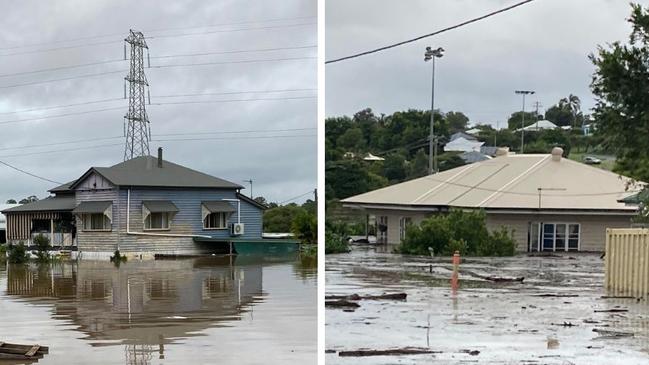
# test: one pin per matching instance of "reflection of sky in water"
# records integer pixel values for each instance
(203, 308)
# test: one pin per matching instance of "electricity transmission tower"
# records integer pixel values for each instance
(137, 129)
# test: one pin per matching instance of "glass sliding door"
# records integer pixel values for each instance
(573, 237)
(533, 243)
(548, 236)
(560, 237)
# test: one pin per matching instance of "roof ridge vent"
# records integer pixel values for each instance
(557, 153)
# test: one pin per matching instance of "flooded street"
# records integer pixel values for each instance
(197, 310)
(557, 315)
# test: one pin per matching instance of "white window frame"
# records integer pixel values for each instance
(403, 224)
(148, 219)
(539, 247)
(87, 217)
(225, 218)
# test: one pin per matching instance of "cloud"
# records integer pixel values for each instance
(541, 46)
(280, 167)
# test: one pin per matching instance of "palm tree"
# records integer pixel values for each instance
(573, 104)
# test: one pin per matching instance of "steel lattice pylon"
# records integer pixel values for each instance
(137, 129)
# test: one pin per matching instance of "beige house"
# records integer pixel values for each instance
(551, 203)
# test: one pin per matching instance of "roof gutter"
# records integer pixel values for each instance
(128, 225)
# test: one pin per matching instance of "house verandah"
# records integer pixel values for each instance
(50, 217)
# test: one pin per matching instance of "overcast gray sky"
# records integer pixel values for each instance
(281, 167)
(541, 46)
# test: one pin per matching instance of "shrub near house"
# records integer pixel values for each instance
(458, 230)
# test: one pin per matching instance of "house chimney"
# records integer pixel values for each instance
(557, 152)
(159, 157)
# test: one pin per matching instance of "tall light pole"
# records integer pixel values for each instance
(523, 92)
(432, 54)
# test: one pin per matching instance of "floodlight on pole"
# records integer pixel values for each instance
(431, 55)
(523, 92)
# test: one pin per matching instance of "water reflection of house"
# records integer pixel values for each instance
(143, 205)
(142, 303)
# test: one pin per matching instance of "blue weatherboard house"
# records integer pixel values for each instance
(143, 206)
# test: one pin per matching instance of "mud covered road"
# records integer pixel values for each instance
(559, 314)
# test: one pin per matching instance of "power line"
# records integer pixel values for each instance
(29, 173)
(429, 34)
(234, 62)
(235, 92)
(233, 138)
(62, 79)
(158, 96)
(162, 140)
(150, 30)
(234, 100)
(61, 106)
(155, 57)
(161, 66)
(294, 198)
(86, 140)
(235, 51)
(230, 30)
(61, 115)
(153, 37)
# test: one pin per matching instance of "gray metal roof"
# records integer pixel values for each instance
(92, 207)
(66, 203)
(144, 171)
(160, 206)
(62, 188)
(219, 206)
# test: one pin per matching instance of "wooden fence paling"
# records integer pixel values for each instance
(627, 262)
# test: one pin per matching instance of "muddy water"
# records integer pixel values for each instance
(186, 311)
(508, 323)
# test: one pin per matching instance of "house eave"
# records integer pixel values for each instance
(505, 210)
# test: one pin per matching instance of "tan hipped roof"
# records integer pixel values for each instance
(510, 182)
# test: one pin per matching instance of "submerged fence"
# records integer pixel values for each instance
(627, 262)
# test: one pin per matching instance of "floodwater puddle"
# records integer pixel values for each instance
(203, 310)
(558, 314)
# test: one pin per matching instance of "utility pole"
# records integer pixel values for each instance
(523, 92)
(432, 54)
(249, 181)
(137, 128)
(496, 134)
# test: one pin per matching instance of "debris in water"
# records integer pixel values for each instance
(553, 343)
(564, 324)
(607, 334)
(553, 295)
(341, 304)
(389, 352)
(614, 310)
(395, 296)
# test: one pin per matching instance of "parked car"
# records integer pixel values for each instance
(590, 160)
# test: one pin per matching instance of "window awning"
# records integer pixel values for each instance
(217, 206)
(158, 206)
(95, 207)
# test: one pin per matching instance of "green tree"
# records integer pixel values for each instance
(395, 167)
(573, 105)
(515, 120)
(280, 219)
(418, 165)
(29, 199)
(620, 84)
(305, 227)
(559, 115)
(352, 140)
(457, 121)
(11, 201)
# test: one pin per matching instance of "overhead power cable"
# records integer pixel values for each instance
(234, 62)
(155, 57)
(86, 140)
(295, 197)
(51, 49)
(234, 100)
(231, 30)
(29, 173)
(152, 31)
(61, 115)
(163, 140)
(232, 138)
(158, 96)
(429, 34)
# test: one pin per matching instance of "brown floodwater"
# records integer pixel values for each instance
(206, 310)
